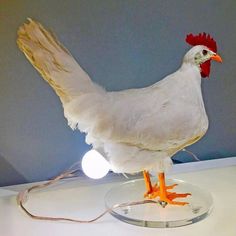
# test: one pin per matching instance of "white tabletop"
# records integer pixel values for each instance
(84, 199)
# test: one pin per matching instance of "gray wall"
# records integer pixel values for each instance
(121, 44)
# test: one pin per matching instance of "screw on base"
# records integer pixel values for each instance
(163, 203)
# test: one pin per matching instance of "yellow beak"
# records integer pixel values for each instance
(216, 57)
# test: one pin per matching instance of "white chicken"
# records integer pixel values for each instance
(136, 129)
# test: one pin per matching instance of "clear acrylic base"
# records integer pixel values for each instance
(154, 215)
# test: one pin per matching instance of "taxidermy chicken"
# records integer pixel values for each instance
(135, 129)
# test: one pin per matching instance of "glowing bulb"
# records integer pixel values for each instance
(94, 165)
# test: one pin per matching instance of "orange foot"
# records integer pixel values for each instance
(161, 192)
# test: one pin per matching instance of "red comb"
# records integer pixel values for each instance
(202, 39)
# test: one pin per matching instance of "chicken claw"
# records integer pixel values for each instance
(160, 191)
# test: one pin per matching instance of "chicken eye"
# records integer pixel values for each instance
(204, 52)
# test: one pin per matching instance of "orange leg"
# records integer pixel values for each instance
(147, 181)
(160, 191)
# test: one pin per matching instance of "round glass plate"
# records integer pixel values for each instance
(154, 215)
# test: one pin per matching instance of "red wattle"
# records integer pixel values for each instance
(205, 69)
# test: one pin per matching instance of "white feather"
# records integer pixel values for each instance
(135, 129)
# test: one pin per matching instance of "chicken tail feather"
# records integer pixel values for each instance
(53, 61)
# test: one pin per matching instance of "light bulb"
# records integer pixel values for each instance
(94, 165)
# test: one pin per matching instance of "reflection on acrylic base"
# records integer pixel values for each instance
(154, 215)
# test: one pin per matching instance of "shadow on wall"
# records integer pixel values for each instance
(11, 176)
